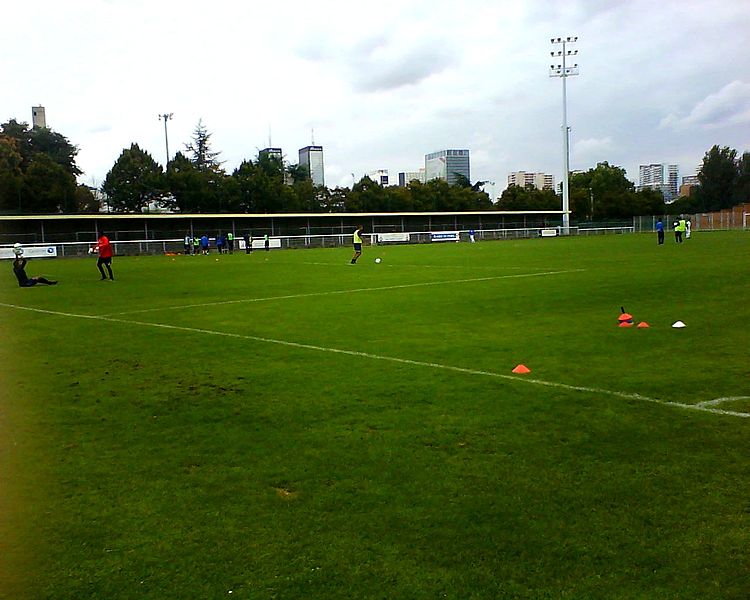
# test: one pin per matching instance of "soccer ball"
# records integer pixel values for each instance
(377, 260)
(18, 249)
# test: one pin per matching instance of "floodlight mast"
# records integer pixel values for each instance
(564, 71)
(166, 117)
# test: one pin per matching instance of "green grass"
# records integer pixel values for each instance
(173, 462)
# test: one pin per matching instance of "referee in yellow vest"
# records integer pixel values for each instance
(680, 229)
(357, 244)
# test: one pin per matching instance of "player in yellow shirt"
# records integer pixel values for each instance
(357, 244)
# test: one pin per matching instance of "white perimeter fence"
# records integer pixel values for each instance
(134, 247)
(177, 245)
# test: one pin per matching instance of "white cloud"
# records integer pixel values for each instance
(384, 86)
(727, 107)
(593, 150)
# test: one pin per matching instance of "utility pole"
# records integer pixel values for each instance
(166, 117)
(564, 71)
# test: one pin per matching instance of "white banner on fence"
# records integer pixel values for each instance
(548, 232)
(31, 252)
(445, 236)
(260, 244)
(393, 237)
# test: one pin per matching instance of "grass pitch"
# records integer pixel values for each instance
(285, 425)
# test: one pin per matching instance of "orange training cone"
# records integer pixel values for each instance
(643, 325)
(625, 324)
(521, 369)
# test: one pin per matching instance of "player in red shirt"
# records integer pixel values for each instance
(104, 248)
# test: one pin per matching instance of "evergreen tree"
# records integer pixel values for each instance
(200, 153)
(742, 186)
(718, 178)
(134, 181)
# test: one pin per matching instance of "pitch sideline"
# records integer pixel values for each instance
(702, 406)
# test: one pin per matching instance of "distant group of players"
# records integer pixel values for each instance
(681, 227)
(224, 244)
(202, 244)
(102, 247)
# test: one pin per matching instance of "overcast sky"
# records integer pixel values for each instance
(384, 83)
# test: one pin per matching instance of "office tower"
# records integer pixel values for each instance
(273, 153)
(446, 164)
(406, 177)
(39, 118)
(380, 176)
(312, 158)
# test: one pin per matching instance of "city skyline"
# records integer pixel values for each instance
(657, 83)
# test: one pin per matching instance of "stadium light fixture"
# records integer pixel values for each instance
(166, 117)
(563, 70)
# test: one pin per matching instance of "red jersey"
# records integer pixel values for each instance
(104, 247)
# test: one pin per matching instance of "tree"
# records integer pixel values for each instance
(57, 147)
(261, 184)
(85, 200)
(41, 140)
(648, 202)
(11, 176)
(47, 187)
(515, 197)
(37, 169)
(742, 186)
(685, 205)
(366, 196)
(134, 181)
(298, 173)
(718, 177)
(200, 153)
(605, 192)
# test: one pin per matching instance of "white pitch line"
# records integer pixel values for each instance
(399, 265)
(330, 293)
(716, 401)
(418, 363)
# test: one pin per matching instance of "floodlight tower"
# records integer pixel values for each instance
(564, 71)
(166, 117)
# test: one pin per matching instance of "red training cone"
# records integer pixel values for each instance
(521, 369)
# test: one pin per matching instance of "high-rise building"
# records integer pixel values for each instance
(38, 117)
(312, 158)
(272, 152)
(689, 183)
(406, 177)
(659, 176)
(541, 181)
(673, 179)
(446, 164)
(380, 176)
(276, 153)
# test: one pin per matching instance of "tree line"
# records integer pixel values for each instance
(195, 182)
(38, 174)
